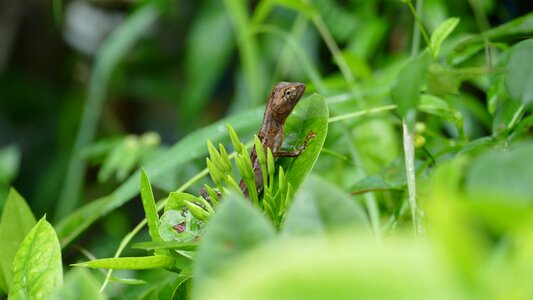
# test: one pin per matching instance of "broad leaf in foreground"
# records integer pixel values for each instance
(17, 221)
(235, 229)
(37, 268)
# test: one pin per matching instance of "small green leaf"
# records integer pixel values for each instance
(79, 284)
(130, 263)
(320, 207)
(441, 33)
(519, 77)
(150, 210)
(17, 221)
(37, 268)
(236, 228)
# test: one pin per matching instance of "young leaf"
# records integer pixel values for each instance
(17, 221)
(150, 210)
(440, 34)
(519, 79)
(236, 228)
(37, 268)
(129, 263)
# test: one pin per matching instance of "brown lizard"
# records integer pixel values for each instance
(281, 101)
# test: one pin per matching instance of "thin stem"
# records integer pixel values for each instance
(409, 131)
(516, 116)
(418, 28)
(362, 113)
(335, 50)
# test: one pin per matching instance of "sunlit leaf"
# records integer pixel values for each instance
(17, 221)
(37, 267)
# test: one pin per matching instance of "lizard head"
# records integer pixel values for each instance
(285, 96)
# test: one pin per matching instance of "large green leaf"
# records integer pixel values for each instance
(187, 149)
(235, 229)
(503, 175)
(37, 268)
(17, 221)
(347, 267)
(320, 207)
(309, 115)
(519, 77)
(79, 284)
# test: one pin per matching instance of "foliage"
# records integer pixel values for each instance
(417, 184)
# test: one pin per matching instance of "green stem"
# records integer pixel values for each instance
(335, 50)
(362, 113)
(409, 131)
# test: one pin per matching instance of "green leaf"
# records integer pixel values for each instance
(503, 175)
(235, 229)
(441, 33)
(346, 267)
(150, 210)
(17, 221)
(79, 284)
(321, 208)
(437, 106)
(130, 263)
(37, 268)
(311, 114)
(519, 77)
(406, 90)
(187, 149)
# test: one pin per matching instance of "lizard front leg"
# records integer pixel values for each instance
(281, 153)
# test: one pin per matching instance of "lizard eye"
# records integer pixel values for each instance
(291, 94)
